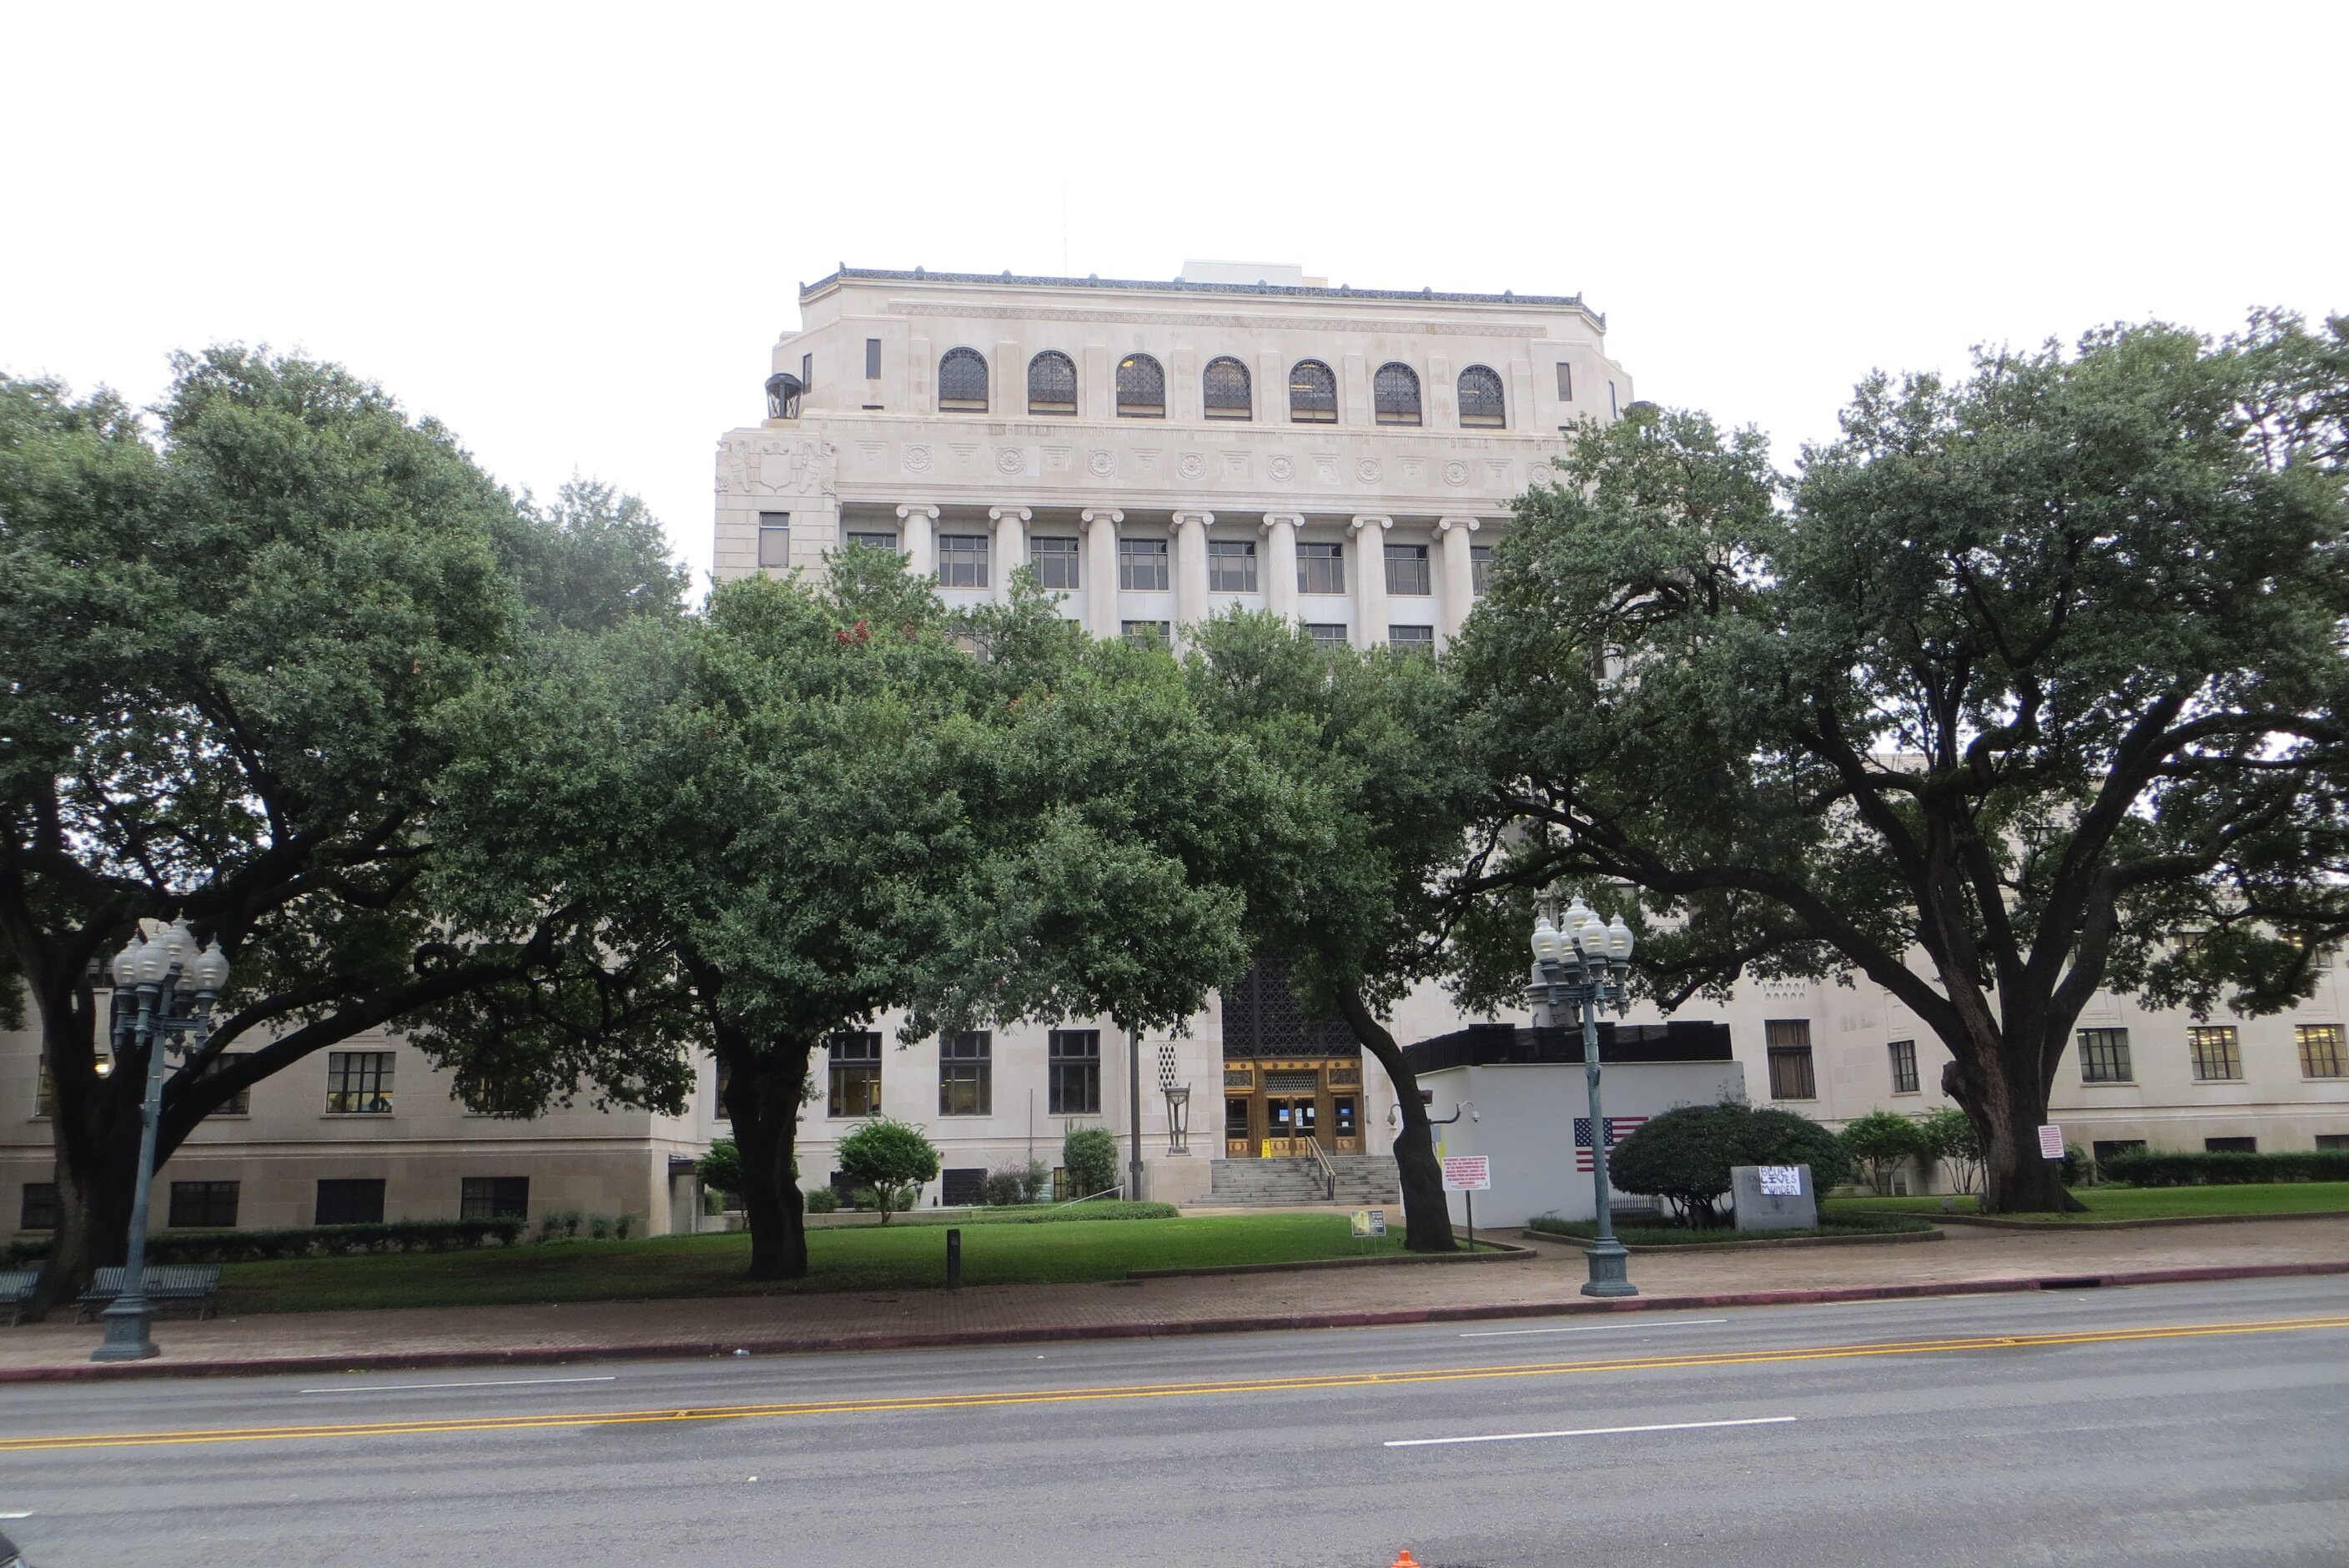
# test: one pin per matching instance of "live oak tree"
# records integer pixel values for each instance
(227, 645)
(2020, 680)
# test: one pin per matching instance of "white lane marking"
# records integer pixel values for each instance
(26, 1513)
(410, 1388)
(1590, 1328)
(1585, 1432)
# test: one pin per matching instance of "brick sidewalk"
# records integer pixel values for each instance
(1970, 1257)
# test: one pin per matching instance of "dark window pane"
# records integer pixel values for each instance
(966, 1074)
(1140, 387)
(2105, 1057)
(1227, 392)
(1419, 638)
(1051, 383)
(2216, 1056)
(1565, 381)
(1073, 1063)
(1320, 569)
(962, 561)
(1789, 1042)
(774, 539)
(1480, 568)
(1327, 634)
(1142, 564)
(2322, 1051)
(203, 1205)
(38, 1210)
(962, 381)
(1394, 395)
(1147, 634)
(875, 541)
(358, 1083)
(1904, 1067)
(2230, 1145)
(351, 1202)
(872, 359)
(1480, 403)
(959, 1188)
(1055, 560)
(1407, 569)
(493, 1198)
(854, 1086)
(1312, 394)
(1231, 566)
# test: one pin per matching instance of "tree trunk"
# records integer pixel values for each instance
(1427, 1213)
(763, 1098)
(94, 1131)
(2007, 1105)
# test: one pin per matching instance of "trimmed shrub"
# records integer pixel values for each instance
(721, 1168)
(1950, 1137)
(1089, 1156)
(313, 1241)
(1684, 1156)
(892, 1160)
(1879, 1144)
(822, 1200)
(1014, 1184)
(2199, 1167)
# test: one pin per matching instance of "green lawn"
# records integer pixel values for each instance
(2144, 1203)
(1673, 1236)
(896, 1257)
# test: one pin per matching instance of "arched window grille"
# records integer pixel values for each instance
(1228, 395)
(784, 391)
(1394, 395)
(1312, 394)
(1481, 402)
(962, 380)
(1140, 387)
(1051, 383)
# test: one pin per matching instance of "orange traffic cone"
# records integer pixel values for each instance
(1405, 1561)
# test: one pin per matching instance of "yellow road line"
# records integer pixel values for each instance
(1152, 1390)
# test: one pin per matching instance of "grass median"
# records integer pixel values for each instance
(892, 1257)
(2139, 1202)
(1872, 1225)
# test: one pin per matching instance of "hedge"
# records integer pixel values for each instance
(313, 1241)
(1099, 1209)
(2166, 1168)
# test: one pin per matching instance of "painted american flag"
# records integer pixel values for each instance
(1618, 1129)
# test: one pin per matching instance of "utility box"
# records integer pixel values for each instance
(1774, 1197)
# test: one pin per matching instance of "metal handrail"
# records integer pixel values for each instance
(1329, 1171)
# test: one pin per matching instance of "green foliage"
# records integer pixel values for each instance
(1089, 1154)
(313, 1242)
(721, 1168)
(1684, 1156)
(1677, 1236)
(2166, 1168)
(594, 559)
(1018, 1184)
(892, 1158)
(1951, 1137)
(822, 1200)
(1881, 1143)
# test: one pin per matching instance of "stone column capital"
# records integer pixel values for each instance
(922, 509)
(1361, 524)
(1274, 519)
(1108, 514)
(1012, 513)
(1203, 519)
(1446, 524)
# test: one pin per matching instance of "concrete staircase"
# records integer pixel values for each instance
(1364, 1181)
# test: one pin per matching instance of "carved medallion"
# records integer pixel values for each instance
(1009, 459)
(1367, 470)
(1280, 468)
(1455, 473)
(1101, 464)
(1192, 466)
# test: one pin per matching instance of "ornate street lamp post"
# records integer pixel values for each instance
(1585, 962)
(163, 994)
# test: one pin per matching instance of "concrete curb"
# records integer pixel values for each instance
(1502, 1253)
(540, 1356)
(2000, 1222)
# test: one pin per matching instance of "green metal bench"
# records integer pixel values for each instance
(17, 1289)
(199, 1283)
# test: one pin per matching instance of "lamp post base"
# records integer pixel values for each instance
(128, 1319)
(1610, 1270)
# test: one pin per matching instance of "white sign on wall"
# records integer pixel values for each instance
(1782, 1181)
(1468, 1173)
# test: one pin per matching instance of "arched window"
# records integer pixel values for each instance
(1140, 387)
(1312, 394)
(1228, 397)
(1394, 395)
(1481, 402)
(1051, 383)
(962, 380)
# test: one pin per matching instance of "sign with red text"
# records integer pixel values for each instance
(2050, 1143)
(1468, 1173)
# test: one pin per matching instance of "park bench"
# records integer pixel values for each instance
(17, 1289)
(163, 1283)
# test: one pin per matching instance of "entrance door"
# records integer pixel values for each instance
(1280, 1126)
(1239, 1141)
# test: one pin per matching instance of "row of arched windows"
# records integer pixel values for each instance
(1226, 390)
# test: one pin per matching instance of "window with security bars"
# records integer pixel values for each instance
(1225, 390)
(962, 561)
(1328, 634)
(1394, 395)
(37, 1207)
(1789, 1047)
(1413, 639)
(493, 1198)
(1407, 569)
(1904, 1067)
(349, 1201)
(1140, 387)
(875, 541)
(2218, 1058)
(204, 1206)
(358, 1083)
(2323, 1053)
(1320, 569)
(1073, 1072)
(1312, 394)
(962, 381)
(1262, 1018)
(1055, 560)
(1231, 566)
(967, 1074)
(962, 1186)
(2105, 1057)
(1141, 565)
(1147, 634)
(1480, 567)
(854, 1076)
(774, 539)
(1481, 405)
(1051, 383)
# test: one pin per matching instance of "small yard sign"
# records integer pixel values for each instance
(1370, 1222)
(1782, 1181)
(1468, 1173)
(2050, 1143)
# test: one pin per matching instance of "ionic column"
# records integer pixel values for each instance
(920, 538)
(1191, 566)
(1370, 535)
(1100, 570)
(1011, 545)
(1459, 594)
(1280, 530)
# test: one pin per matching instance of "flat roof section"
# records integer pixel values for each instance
(1180, 285)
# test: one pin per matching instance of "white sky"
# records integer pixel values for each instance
(573, 231)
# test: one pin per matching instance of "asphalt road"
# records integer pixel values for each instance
(2201, 1423)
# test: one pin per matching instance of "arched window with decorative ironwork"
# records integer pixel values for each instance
(1227, 393)
(1051, 383)
(1481, 402)
(962, 381)
(1140, 387)
(1312, 394)
(1394, 395)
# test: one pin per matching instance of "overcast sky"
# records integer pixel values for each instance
(573, 233)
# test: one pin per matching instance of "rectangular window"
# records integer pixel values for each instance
(872, 359)
(44, 1092)
(2105, 1057)
(493, 1198)
(1419, 639)
(1231, 566)
(1613, 411)
(349, 1202)
(1904, 1067)
(2218, 1058)
(774, 539)
(855, 1087)
(2322, 1053)
(1320, 569)
(962, 1187)
(358, 1083)
(1407, 569)
(1328, 634)
(875, 541)
(2103, 1149)
(2230, 1146)
(1147, 634)
(962, 561)
(1565, 382)
(1789, 1041)
(1236, 1117)
(1073, 1068)
(807, 371)
(1055, 560)
(37, 1211)
(2333, 1142)
(240, 1102)
(1141, 565)
(203, 1205)
(967, 1074)
(1480, 568)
